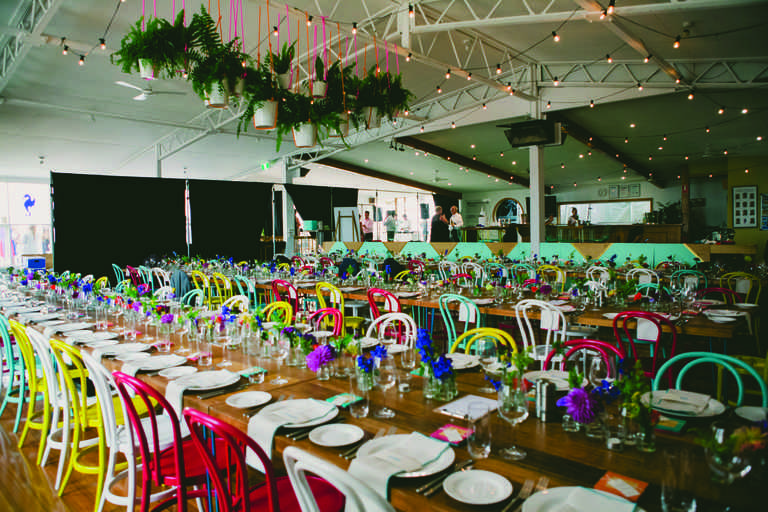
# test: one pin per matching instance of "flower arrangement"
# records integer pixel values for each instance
(320, 357)
(440, 380)
(632, 384)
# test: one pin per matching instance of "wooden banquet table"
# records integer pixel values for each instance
(567, 459)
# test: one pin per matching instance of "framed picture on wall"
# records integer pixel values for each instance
(745, 207)
(764, 212)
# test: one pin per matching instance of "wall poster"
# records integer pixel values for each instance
(764, 212)
(745, 207)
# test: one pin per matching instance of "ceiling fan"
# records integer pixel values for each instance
(437, 178)
(145, 92)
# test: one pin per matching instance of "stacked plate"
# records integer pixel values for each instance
(463, 361)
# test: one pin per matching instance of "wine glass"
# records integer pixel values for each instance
(407, 362)
(513, 408)
(181, 328)
(280, 347)
(386, 378)
(224, 340)
(488, 356)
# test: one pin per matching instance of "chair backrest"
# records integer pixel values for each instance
(146, 276)
(688, 278)
(163, 278)
(495, 271)
(468, 313)
(610, 354)
(278, 311)
(447, 269)
(329, 296)
(554, 274)
(321, 316)
(648, 328)
(552, 324)
(359, 496)
(596, 273)
(651, 289)
(12, 365)
(164, 293)
(73, 381)
(391, 302)
(416, 265)
(728, 362)
(468, 338)
(285, 291)
(43, 352)
(402, 325)
(241, 301)
(200, 280)
(101, 282)
(325, 261)
(193, 298)
(522, 271)
(474, 269)
(119, 273)
(223, 286)
(745, 284)
(146, 433)
(728, 295)
(133, 274)
(105, 385)
(33, 373)
(230, 480)
(643, 276)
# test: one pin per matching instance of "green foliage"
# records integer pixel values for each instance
(319, 69)
(214, 62)
(383, 91)
(281, 61)
(260, 86)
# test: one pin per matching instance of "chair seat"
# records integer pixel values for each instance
(327, 497)
(353, 321)
(194, 467)
(164, 429)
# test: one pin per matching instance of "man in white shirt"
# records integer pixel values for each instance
(366, 224)
(456, 224)
(390, 224)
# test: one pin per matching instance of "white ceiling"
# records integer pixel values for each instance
(79, 120)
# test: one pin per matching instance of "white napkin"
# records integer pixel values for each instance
(151, 364)
(646, 330)
(466, 313)
(677, 400)
(174, 391)
(581, 499)
(549, 320)
(262, 426)
(123, 348)
(411, 453)
(742, 286)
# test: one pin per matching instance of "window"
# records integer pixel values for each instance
(25, 221)
(607, 212)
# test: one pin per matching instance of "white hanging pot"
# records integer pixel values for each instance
(146, 70)
(372, 117)
(284, 79)
(319, 89)
(343, 130)
(305, 135)
(219, 95)
(265, 117)
(239, 87)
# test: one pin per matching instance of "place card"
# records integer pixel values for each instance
(620, 485)
(253, 370)
(451, 433)
(668, 424)
(460, 408)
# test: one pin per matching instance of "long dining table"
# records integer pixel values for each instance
(567, 459)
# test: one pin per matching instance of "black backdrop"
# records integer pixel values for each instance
(100, 220)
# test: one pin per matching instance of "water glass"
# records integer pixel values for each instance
(676, 480)
(359, 409)
(479, 440)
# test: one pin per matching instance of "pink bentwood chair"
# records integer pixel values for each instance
(336, 319)
(391, 302)
(178, 465)
(648, 330)
(285, 291)
(226, 465)
(730, 296)
(605, 350)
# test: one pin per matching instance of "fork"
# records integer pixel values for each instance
(525, 491)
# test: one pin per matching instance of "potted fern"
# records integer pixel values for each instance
(281, 63)
(298, 114)
(157, 50)
(319, 86)
(381, 94)
(341, 83)
(261, 95)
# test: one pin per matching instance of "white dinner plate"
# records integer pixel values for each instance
(287, 406)
(713, 408)
(483, 302)
(125, 348)
(557, 377)
(336, 434)
(97, 343)
(76, 326)
(477, 487)
(746, 305)
(177, 371)
(561, 499)
(51, 323)
(751, 413)
(383, 443)
(248, 399)
(210, 380)
(610, 316)
(720, 319)
(463, 361)
(724, 312)
(155, 363)
(133, 356)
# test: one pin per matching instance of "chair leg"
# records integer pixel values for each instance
(44, 431)
(22, 399)
(65, 450)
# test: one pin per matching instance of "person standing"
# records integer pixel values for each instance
(439, 232)
(457, 222)
(390, 224)
(366, 226)
(573, 220)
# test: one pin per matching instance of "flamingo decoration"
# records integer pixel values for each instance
(29, 202)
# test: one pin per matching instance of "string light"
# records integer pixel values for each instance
(744, 111)
(664, 137)
(501, 155)
(746, 171)
(690, 95)
(354, 31)
(591, 103)
(611, 7)
(599, 178)
(549, 104)
(721, 111)
(574, 183)
(686, 157)
(759, 138)
(274, 31)
(511, 92)
(453, 124)
(609, 58)
(648, 58)
(706, 129)
(448, 74)
(309, 21)
(102, 43)
(439, 90)
(676, 44)
(498, 69)
(556, 81)
(603, 14)
(421, 129)
(408, 57)
(474, 157)
(82, 60)
(469, 76)
(65, 50)
(639, 86)
(562, 165)
(411, 13)
(650, 157)
(555, 37)
(485, 107)
(677, 80)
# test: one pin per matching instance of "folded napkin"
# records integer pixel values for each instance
(550, 320)
(152, 363)
(174, 391)
(679, 401)
(581, 499)
(646, 330)
(409, 453)
(262, 426)
(122, 348)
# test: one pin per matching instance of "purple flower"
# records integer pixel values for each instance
(545, 289)
(321, 355)
(580, 405)
(136, 306)
(166, 319)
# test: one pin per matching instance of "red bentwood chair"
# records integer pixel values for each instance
(605, 350)
(285, 291)
(319, 318)
(391, 302)
(230, 479)
(648, 329)
(730, 296)
(177, 466)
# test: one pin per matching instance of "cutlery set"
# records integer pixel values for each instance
(431, 487)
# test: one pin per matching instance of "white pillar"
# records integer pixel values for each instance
(289, 222)
(404, 24)
(158, 161)
(536, 215)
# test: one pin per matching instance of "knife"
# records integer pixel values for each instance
(436, 482)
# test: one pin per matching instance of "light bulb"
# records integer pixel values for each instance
(744, 111)
(421, 129)
(556, 81)
(274, 31)
(498, 69)
(439, 90)
(721, 111)
(591, 103)
(676, 44)
(82, 60)
(469, 76)
(609, 58)
(102, 43)
(555, 37)
(603, 14)
(690, 95)
(485, 107)
(448, 74)
(354, 27)
(65, 50)
(647, 59)
(408, 58)
(453, 124)
(549, 104)
(411, 13)
(639, 86)
(611, 7)
(309, 21)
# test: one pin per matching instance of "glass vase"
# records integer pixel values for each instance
(646, 439)
(439, 389)
(324, 372)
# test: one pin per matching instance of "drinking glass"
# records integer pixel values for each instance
(676, 478)
(488, 356)
(224, 340)
(725, 464)
(181, 329)
(407, 362)
(385, 379)
(205, 347)
(130, 327)
(513, 408)
(598, 371)
(479, 440)
(101, 317)
(358, 387)
(279, 349)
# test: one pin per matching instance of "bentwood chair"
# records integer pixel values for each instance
(729, 363)
(37, 378)
(554, 275)
(177, 464)
(240, 302)
(359, 497)
(495, 272)
(330, 317)
(392, 328)
(16, 392)
(551, 327)
(285, 291)
(598, 274)
(447, 269)
(221, 288)
(119, 273)
(745, 284)
(222, 449)
(329, 295)
(501, 338)
(279, 312)
(245, 287)
(474, 269)
(391, 302)
(194, 297)
(134, 275)
(643, 276)
(522, 271)
(688, 278)
(647, 328)
(726, 294)
(162, 277)
(100, 283)
(582, 350)
(417, 266)
(468, 313)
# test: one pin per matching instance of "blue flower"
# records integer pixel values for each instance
(495, 383)
(379, 352)
(424, 346)
(388, 269)
(87, 288)
(293, 271)
(365, 363)
(607, 391)
(443, 367)
(258, 322)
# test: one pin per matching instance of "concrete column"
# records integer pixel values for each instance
(536, 215)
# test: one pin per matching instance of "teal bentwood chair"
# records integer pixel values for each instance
(727, 362)
(119, 273)
(16, 391)
(468, 313)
